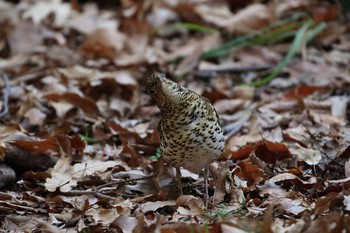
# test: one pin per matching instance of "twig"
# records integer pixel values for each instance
(124, 181)
(97, 193)
(15, 206)
(86, 192)
(5, 93)
(79, 192)
(34, 74)
(315, 142)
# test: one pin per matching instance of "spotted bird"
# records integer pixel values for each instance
(189, 130)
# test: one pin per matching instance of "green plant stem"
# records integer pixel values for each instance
(259, 37)
(191, 26)
(298, 40)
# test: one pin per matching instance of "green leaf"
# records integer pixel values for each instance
(191, 26)
(157, 155)
(300, 37)
(275, 32)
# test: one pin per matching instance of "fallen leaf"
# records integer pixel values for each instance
(253, 17)
(84, 103)
(104, 42)
(249, 175)
(35, 116)
(310, 156)
(61, 177)
(40, 10)
(127, 224)
(91, 167)
(153, 206)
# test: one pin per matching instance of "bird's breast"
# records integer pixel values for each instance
(191, 145)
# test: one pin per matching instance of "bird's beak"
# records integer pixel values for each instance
(158, 83)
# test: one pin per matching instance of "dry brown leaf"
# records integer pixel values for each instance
(271, 152)
(127, 224)
(332, 32)
(258, 56)
(334, 222)
(27, 223)
(137, 52)
(187, 200)
(49, 144)
(189, 48)
(14, 61)
(153, 206)
(288, 177)
(289, 201)
(84, 103)
(90, 20)
(302, 91)
(237, 199)
(104, 42)
(91, 167)
(42, 9)
(298, 134)
(220, 189)
(326, 203)
(319, 11)
(35, 116)
(100, 214)
(61, 177)
(194, 204)
(325, 117)
(309, 156)
(248, 175)
(25, 38)
(251, 18)
(228, 105)
(160, 16)
(217, 14)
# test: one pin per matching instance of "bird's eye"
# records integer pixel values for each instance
(151, 92)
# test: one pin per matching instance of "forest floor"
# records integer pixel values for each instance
(79, 145)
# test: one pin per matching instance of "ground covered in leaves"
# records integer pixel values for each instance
(78, 139)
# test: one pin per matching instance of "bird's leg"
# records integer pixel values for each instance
(206, 176)
(178, 180)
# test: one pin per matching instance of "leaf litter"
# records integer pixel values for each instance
(78, 135)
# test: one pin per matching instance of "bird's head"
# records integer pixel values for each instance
(164, 91)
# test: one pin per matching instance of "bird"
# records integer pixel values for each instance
(189, 130)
